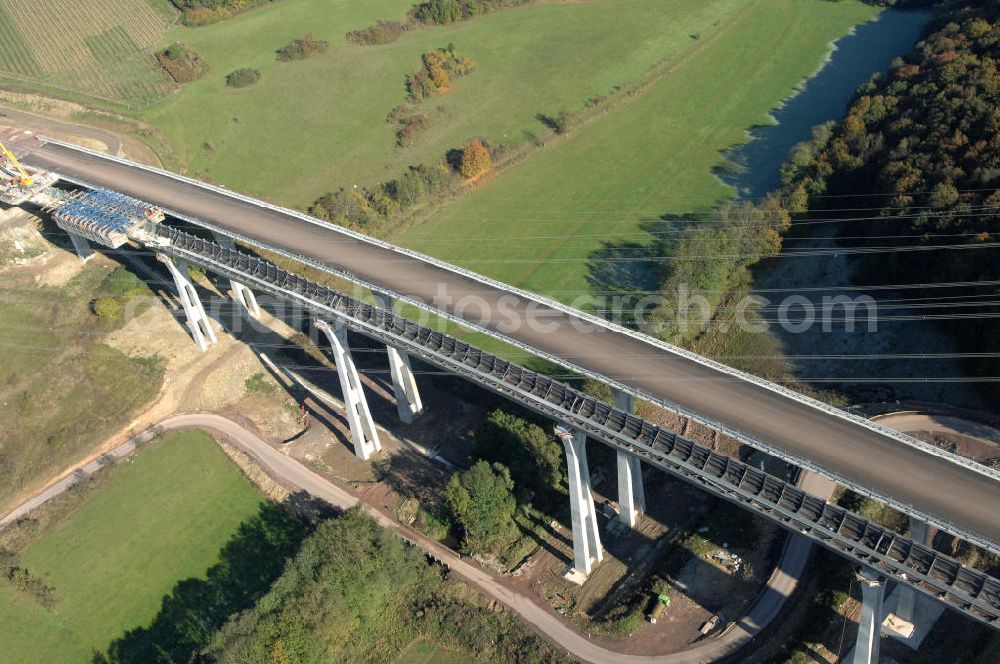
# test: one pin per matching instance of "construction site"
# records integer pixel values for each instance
(105, 217)
(20, 184)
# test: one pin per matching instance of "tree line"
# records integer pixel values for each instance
(922, 146)
(431, 12)
(205, 12)
(372, 209)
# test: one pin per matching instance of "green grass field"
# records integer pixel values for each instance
(159, 520)
(423, 651)
(537, 225)
(312, 126)
(100, 49)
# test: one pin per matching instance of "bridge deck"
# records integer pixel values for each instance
(948, 494)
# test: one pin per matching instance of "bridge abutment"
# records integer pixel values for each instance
(243, 295)
(194, 311)
(404, 384)
(870, 623)
(587, 549)
(631, 496)
(363, 433)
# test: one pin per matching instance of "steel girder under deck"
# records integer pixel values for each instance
(968, 590)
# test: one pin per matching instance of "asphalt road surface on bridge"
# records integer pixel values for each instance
(934, 486)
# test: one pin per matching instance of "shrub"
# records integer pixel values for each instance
(181, 63)
(23, 581)
(370, 208)
(242, 78)
(409, 189)
(204, 12)
(300, 49)
(409, 128)
(443, 12)
(117, 290)
(122, 283)
(258, 384)
(439, 11)
(108, 308)
(440, 67)
(559, 123)
(203, 16)
(476, 160)
(382, 32)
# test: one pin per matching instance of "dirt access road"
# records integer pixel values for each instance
(293, 475)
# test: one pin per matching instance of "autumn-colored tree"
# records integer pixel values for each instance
(440, 76)
(476, 160)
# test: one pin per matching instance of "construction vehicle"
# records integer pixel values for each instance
(19, 176)
(662, 602)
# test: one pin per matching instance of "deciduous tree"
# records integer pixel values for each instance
(476, 159)
(482, 503)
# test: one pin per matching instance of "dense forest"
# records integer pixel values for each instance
(917, 159)
(356, 592)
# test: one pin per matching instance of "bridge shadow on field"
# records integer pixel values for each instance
(196, 607)
(623, 272)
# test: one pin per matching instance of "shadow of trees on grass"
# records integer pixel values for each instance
(248, 565)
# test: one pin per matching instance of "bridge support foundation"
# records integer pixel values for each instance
(631, 496)
(587, 549)
(870, 623)
(920, 532)
(363, 432)
(197, 319)
(404, 384)
(243, 295)
(81, 246)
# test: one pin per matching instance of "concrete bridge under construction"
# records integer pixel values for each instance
(933, 487)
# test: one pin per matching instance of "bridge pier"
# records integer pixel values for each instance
(587, 549)
(631, 496)
(870, 623)
(81, 246)
(920, 532)
(197, 319)
(404, 384)
(363, 432)
(243, 295)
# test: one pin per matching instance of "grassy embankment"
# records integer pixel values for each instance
(62, 389)
(115, 554)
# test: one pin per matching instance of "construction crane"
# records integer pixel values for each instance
(21, 178)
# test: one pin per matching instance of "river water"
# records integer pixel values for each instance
(871, 47)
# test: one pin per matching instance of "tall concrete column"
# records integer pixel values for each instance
(81, 246)
(243, 295)
(870, 623)
(363, 432)
(631, 496)
(404, 384)
(197, 320)
(587, 549)
(920, 532)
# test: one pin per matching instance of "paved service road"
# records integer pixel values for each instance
(937, 488)
(294, 476)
